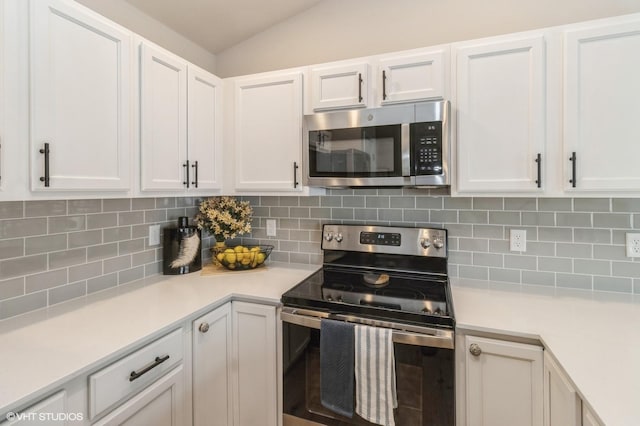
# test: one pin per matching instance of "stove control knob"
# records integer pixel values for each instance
(438, 243)
(339, 237)
(328, 236)
(339, 299)
(329, 298)
(425, 243)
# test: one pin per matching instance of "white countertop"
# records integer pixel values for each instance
(50, 347)
(594, 336)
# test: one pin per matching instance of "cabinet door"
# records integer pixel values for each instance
(204, 128)
(601, 107)
(47, 408)
(161, 404)
(503, 383)
(561, 402)
(588, 418)
(344, 86)
(268, 131)
(80, 98)
(414, 77)
(500, 95)
(163, 119)
(212, 402)
(254, 365)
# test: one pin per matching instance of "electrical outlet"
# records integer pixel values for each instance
(154, 235)
(633, 245)
(271, 227)
(518, 240)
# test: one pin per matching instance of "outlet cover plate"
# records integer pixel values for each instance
(518, 240)
(154, 235)
(271, 227)
(633, 245)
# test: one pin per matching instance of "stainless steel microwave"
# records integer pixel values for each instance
(402, 145)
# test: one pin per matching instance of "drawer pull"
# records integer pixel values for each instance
(204, 327)
(135, 374)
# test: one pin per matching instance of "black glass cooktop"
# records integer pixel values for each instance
(377, 294)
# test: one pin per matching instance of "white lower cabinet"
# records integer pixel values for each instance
(588, 418)
(562, 405)
(160, 404)
(254, 365)
(49, 411)
(501, 383)
(212, 402)
(235, 379)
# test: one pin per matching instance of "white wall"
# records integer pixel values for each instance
(128, 16)
(341, 29)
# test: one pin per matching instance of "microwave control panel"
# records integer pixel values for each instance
(426, 140)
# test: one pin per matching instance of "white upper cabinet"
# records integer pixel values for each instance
(340, 86)
(412, 77)
(408, 76)
(268, 132)
(204, 129)
(602, 106)
(80, 99)
(500, 103)
(180, 124)
(163, 120)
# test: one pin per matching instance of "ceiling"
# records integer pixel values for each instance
(218, 24)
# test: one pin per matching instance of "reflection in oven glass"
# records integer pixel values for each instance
(424, 376)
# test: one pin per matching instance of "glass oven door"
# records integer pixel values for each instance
(424, 376)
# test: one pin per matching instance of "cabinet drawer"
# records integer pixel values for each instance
(133, 372)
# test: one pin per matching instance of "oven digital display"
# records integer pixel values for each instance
(380, 238)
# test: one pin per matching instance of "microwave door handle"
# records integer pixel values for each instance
(405, 149)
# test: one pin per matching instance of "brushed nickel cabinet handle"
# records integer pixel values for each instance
(475, 349)
(204, 327)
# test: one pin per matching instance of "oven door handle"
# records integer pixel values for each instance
(402, 333)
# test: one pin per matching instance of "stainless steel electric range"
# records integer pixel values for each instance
(392, 277)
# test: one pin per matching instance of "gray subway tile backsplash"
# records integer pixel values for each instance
(45, 280)
(51, 251)
(22, 228)
(45, 208)
(12, 248)
(11, 288)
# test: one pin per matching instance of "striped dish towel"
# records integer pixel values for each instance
(375, 373)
